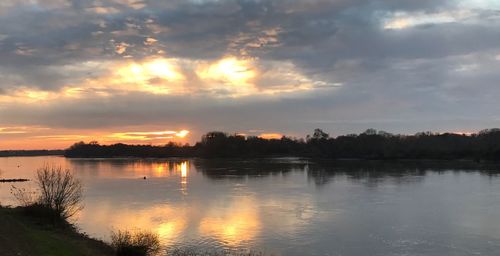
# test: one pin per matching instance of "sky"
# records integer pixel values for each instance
(153, 71)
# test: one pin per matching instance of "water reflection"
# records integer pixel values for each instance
(223, 169)
(323, 172)
(289, 206)
(130, 168)
(160, 168)
(233, 224)
(167, 221)
(183, 167)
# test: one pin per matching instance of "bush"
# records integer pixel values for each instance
(58, 193)
(140, 243)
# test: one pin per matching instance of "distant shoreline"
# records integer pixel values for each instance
(472, 160)
(43, 152)
(257, 157)
(369, 145)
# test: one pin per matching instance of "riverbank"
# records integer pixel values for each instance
(23, 235)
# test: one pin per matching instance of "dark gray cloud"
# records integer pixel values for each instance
(437, 71)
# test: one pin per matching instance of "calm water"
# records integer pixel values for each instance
(288, 206)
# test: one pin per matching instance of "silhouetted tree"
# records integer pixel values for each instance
(371, 144)
(318, 134)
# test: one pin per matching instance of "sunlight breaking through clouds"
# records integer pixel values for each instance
(149, 136)
(229, 70)
(27, 95)
(403, 20)
(230, 74)
(227, 77)
(157, 76)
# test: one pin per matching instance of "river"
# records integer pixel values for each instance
(287, 206)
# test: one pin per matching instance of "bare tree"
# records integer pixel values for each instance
(59, 190)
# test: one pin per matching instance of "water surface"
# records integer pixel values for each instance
(287, 206)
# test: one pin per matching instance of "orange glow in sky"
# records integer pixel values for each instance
(46, 138)
(269, 136)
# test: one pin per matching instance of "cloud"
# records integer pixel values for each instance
(405, 20)
(275, 65)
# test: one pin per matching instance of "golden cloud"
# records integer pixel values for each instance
(227, 77)
(148, 136)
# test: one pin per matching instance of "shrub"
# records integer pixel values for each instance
(140, 243)
(58, 191)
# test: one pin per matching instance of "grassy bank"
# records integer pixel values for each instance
(24, 235)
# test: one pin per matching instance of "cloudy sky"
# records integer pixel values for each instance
(150, 71)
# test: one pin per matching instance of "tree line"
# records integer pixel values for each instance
(371, 144)
(11, 153)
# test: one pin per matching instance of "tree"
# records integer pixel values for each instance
(370, 132)
(318, 135)
(59, 191)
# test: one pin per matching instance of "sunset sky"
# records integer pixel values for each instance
(153, 71)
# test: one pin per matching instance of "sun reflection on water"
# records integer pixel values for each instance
(160, 169)
(170, 230)
(183, 167)
(234, 225)
(231, 224)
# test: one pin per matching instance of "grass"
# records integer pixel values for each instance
(23, 235)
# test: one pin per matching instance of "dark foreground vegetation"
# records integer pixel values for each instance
(372, 144)
(21, 233)
(40, 226)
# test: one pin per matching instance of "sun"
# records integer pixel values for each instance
(182, 134)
